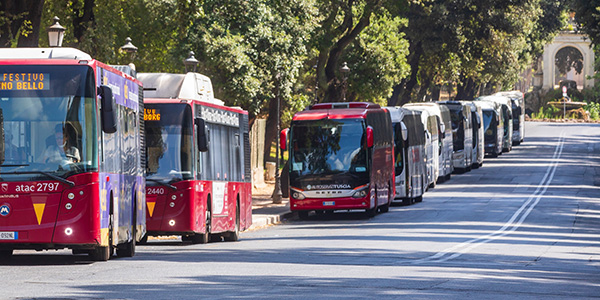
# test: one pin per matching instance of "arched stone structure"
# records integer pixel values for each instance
(568, 39)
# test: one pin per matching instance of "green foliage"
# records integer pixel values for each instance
(378, 59)
(593, 108)
(547, 112)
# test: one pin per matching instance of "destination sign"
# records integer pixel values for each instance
(213, 115)
(24, 81)
(151, 114)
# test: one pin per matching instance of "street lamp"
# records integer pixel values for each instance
(345, 70)
(56, 33)
(277, 194)
(190, 63)
(316, 67)
(131, 50)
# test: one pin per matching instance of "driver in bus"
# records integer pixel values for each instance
(60, 149)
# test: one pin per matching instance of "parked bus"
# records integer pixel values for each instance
(341, 158)
(478, 134)
(432, 143)
(493, 127)
(462, 134)
(444, 129)
(198, 154)
(518, 112)
(506, 115)
(409, 147)
(72, 175)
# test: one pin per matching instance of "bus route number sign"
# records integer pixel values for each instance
(151, 114)
(24, 81)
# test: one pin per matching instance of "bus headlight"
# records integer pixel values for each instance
(360, 193)
(298, 196)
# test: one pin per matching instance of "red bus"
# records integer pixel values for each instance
(341, 157)
(198, 154)
(72, 176)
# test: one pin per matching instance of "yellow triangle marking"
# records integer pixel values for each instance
(150, 207)
(39, 211)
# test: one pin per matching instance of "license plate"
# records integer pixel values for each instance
(8, 235)
(328, 203)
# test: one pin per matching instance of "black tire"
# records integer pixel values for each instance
(234, 236)
(144, 240)
(448, 176)
(6, 254)
(203, 238)
(104, 253)
(419, 199)
(407, 201)
(127, 249)
(303, 215)
(384, 208)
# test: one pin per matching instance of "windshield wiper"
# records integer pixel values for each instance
(3, 165)
(162, 183)
(70, 183)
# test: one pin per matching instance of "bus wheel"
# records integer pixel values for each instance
(103, 253)
(407, 201)
(303, 215)
(371, 212)
(6, 254)
(234, 236)
(127, 249)
(419, 199)
(203, 238)
(144, 239)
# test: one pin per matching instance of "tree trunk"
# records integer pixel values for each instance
(83, 19)
(16, 12)
(466, 89)
(416, 53)
(271, 129)
(333, 92)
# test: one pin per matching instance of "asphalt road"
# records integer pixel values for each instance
(524, 226)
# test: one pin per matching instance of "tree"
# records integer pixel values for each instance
(342, 22)
(20, 22)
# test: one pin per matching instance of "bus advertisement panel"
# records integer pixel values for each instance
(198, 153)
(341, 158)
(71, 172)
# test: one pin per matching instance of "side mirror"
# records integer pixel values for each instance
(404, 132)
(283, 139)
(202, 134)
(108, 113)
(369, 136)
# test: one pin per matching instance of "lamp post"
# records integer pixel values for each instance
(316, 67)
(56, 33)
(345, 70)
(131, 50)
(277, 194)
(190, 62)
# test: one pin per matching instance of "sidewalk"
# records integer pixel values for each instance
(264, 212)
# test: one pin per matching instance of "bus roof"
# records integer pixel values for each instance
(347, 110)
(190, 86)
(44, 53)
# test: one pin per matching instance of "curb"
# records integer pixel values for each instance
(263, 220)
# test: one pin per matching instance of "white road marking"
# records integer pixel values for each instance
(509, 226)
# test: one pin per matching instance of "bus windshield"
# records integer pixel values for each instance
(326, 147)
(169, 142)
(48, 121)
(488, 116)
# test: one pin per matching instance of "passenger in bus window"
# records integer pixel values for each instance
(12, 152)
(60, 149)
